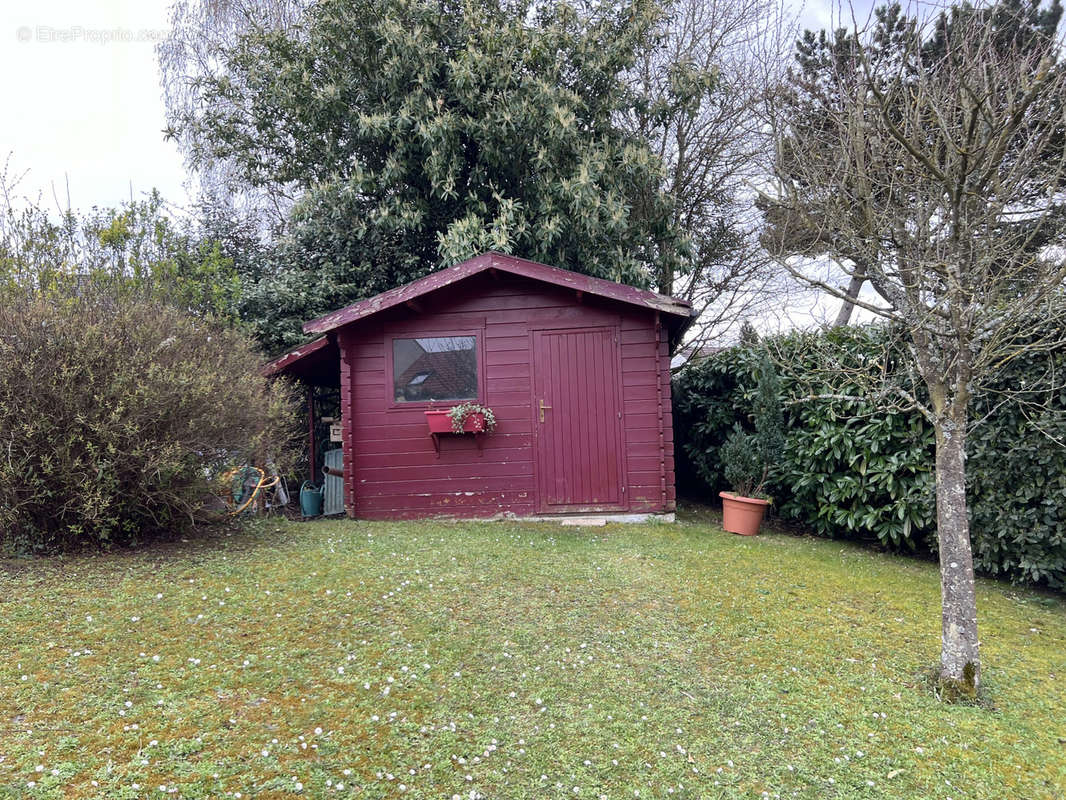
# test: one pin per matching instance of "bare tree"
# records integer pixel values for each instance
(814, 83)
(202, 33)
(700, 86)
(812, 88)
(940, 167)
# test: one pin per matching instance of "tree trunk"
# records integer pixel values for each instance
(960, 668)
(854, 287)
(665, 282)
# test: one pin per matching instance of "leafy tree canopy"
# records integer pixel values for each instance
(135, 251)
(413, 134)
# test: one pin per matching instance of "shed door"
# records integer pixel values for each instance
(577, 418)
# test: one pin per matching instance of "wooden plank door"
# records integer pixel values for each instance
(577, 420)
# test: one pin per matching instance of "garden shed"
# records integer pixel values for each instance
(575, 370)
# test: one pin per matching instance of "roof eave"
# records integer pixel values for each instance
(287, 360)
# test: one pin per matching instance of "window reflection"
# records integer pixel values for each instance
(434, 368)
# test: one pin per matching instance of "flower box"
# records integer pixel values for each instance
(441, 422)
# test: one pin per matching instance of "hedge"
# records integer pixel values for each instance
(861, 466)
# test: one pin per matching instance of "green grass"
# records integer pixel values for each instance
(512, 661)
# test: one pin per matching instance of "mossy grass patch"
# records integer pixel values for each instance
(514, 660)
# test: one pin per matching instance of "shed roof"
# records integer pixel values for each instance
(678, 312)
(314, 362)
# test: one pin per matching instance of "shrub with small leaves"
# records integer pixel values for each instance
(115, 415)
(740, 463)
(748, 458)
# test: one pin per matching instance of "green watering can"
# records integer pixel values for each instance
(310, 499)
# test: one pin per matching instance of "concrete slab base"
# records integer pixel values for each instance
(600, 519)
(585, 521)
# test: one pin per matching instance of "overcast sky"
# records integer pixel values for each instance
(82, 102)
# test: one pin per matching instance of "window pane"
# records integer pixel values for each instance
(434, 368)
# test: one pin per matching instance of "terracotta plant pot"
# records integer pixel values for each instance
(742, 515)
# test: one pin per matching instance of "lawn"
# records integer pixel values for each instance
(510, 660)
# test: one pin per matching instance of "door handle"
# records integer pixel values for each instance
(543, 408)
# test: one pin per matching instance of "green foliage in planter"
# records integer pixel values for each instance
(707, 401)
(748, 458)
(115, 414)
(741, 464)
(861, 466)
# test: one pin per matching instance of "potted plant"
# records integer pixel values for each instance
(463, 418)
(748, 457)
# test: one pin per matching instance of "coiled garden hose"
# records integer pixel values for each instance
(262, 482)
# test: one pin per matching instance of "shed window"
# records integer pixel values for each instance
(434, 368)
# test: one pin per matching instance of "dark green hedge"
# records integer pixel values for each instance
(859, 466)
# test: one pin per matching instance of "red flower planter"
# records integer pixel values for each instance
(441, 422)
(742, 515)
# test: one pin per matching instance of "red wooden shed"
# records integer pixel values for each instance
(576, 370)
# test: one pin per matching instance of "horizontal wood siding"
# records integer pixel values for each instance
(395, 471)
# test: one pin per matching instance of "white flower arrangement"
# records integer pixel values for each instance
(460, 413)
